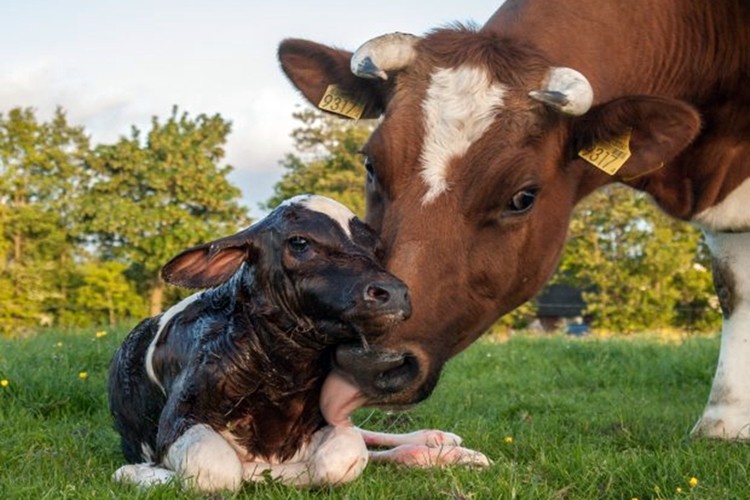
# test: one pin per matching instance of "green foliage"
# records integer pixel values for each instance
(640, 269)
(153, 198)
(84, 231)
(328, 161)
(41, 179)
(104, 295)
(588, 419)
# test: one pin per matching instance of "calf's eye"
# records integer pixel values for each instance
(298, 244)
(522, 201)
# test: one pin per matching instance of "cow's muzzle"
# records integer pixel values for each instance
(383, 375)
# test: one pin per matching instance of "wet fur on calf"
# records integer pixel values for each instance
(248, 357)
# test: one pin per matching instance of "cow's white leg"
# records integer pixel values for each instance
(205, 459)
(335, 455)
(423, 456)
(431, 438)
(727, 414)
(144, 475)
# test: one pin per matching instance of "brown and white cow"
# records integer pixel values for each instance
(475, 168)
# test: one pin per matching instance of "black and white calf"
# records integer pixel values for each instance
(225, 386)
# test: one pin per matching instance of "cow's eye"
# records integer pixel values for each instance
(370, 167)
(298, 244)
(522, 201)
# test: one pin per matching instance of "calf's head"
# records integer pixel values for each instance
(472, 174)
(313, 270)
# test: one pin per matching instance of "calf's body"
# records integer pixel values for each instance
(225, 386)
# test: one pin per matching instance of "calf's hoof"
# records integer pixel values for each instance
(143, 475)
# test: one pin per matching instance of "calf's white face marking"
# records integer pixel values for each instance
(332, 208)
(732, 214)
(460, 106)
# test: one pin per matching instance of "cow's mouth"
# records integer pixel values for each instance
(383, 376)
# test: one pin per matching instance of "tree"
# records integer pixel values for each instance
(150, 199)
(640, 269)
(41, 179)
(103, 295)
(328, 161)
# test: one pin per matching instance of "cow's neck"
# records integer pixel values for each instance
(643, 47)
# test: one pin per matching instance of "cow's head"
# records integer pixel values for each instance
(472, 175)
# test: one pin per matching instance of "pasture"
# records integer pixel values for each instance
(561, 418)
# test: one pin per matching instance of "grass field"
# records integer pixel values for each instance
(561, 418)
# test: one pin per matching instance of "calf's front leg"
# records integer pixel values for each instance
(200, 458)
(204, 459)
(335, 455)
(423, 449)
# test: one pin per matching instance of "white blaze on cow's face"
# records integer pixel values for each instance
(460, 105)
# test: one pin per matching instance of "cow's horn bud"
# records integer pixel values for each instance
(566, 91)
(389, 52)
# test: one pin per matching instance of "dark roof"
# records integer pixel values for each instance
(560, 300)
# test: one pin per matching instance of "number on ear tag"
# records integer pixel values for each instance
(337, 101)
(608, 156)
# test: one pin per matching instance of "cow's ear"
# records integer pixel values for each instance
(210, 264)
(313, 68)
(652, 129)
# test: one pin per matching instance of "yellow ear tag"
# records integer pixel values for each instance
(608, 156)
(337, 101)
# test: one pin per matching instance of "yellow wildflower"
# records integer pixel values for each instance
(508, 439)
(693, 482)
(4, 383)
(100, 334)
(83, 375)
(679, 490)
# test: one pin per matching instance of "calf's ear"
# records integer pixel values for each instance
(210, 264)
(313, 67)
(654, 129)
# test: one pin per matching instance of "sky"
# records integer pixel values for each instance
(114, 64)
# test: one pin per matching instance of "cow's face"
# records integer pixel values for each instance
(472, 176)
(314, 271)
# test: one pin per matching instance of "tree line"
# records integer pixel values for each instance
(85, 228)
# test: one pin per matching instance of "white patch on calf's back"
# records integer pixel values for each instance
(165, 318)
(731, 214)
(460, 106)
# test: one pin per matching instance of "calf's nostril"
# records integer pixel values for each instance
(377, 294)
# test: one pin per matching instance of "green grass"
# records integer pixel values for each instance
(588, 419)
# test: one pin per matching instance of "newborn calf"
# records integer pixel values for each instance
(225, 386)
